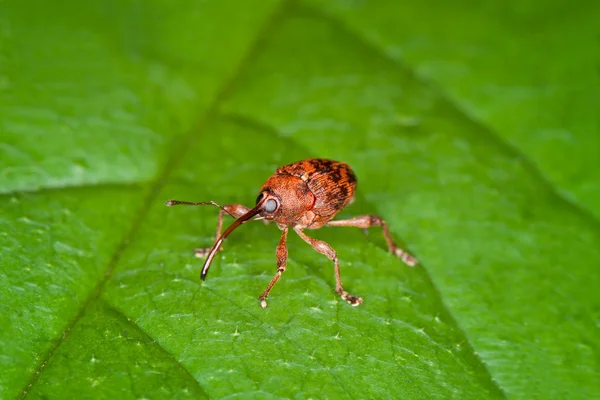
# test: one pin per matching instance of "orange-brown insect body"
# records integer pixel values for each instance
(310, 192)
(306, 194)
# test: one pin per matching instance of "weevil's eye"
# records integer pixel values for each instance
(259, 198)
(270, 206)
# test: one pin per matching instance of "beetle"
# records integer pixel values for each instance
(306, 194)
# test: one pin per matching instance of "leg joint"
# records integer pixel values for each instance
(376, 220)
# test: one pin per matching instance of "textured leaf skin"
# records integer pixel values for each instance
(108, 109)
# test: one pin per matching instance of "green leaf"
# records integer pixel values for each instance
(111, 108)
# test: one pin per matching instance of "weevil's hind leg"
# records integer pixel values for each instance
(282, 255)
(236, 211)
(325, 249)
(367, 221)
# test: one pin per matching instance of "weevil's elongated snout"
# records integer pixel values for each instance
(213, 251)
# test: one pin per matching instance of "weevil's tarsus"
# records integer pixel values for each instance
(201, 252)
(282, 255)
(367, 221)
(325, 249)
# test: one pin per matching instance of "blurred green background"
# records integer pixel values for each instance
(473, 128)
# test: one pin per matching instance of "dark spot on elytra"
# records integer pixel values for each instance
(343, 190)
(351, 176)
(336, 175)
(320, 165)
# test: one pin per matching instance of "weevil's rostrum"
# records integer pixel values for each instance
(303, 195)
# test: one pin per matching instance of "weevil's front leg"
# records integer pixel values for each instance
(236, 211)
(325, 249)
(367, 221)
(282, 255)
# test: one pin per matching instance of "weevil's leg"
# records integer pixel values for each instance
(282, 255)
(236, 211)
(367, 221)
(325, 249)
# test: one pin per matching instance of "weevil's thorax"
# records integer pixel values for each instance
(293, 198)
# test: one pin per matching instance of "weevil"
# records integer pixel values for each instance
(303, 195)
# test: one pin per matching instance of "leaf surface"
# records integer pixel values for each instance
(111, 108)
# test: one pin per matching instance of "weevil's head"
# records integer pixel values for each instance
(285, 199)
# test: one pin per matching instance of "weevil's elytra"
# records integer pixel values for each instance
(303, 195)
